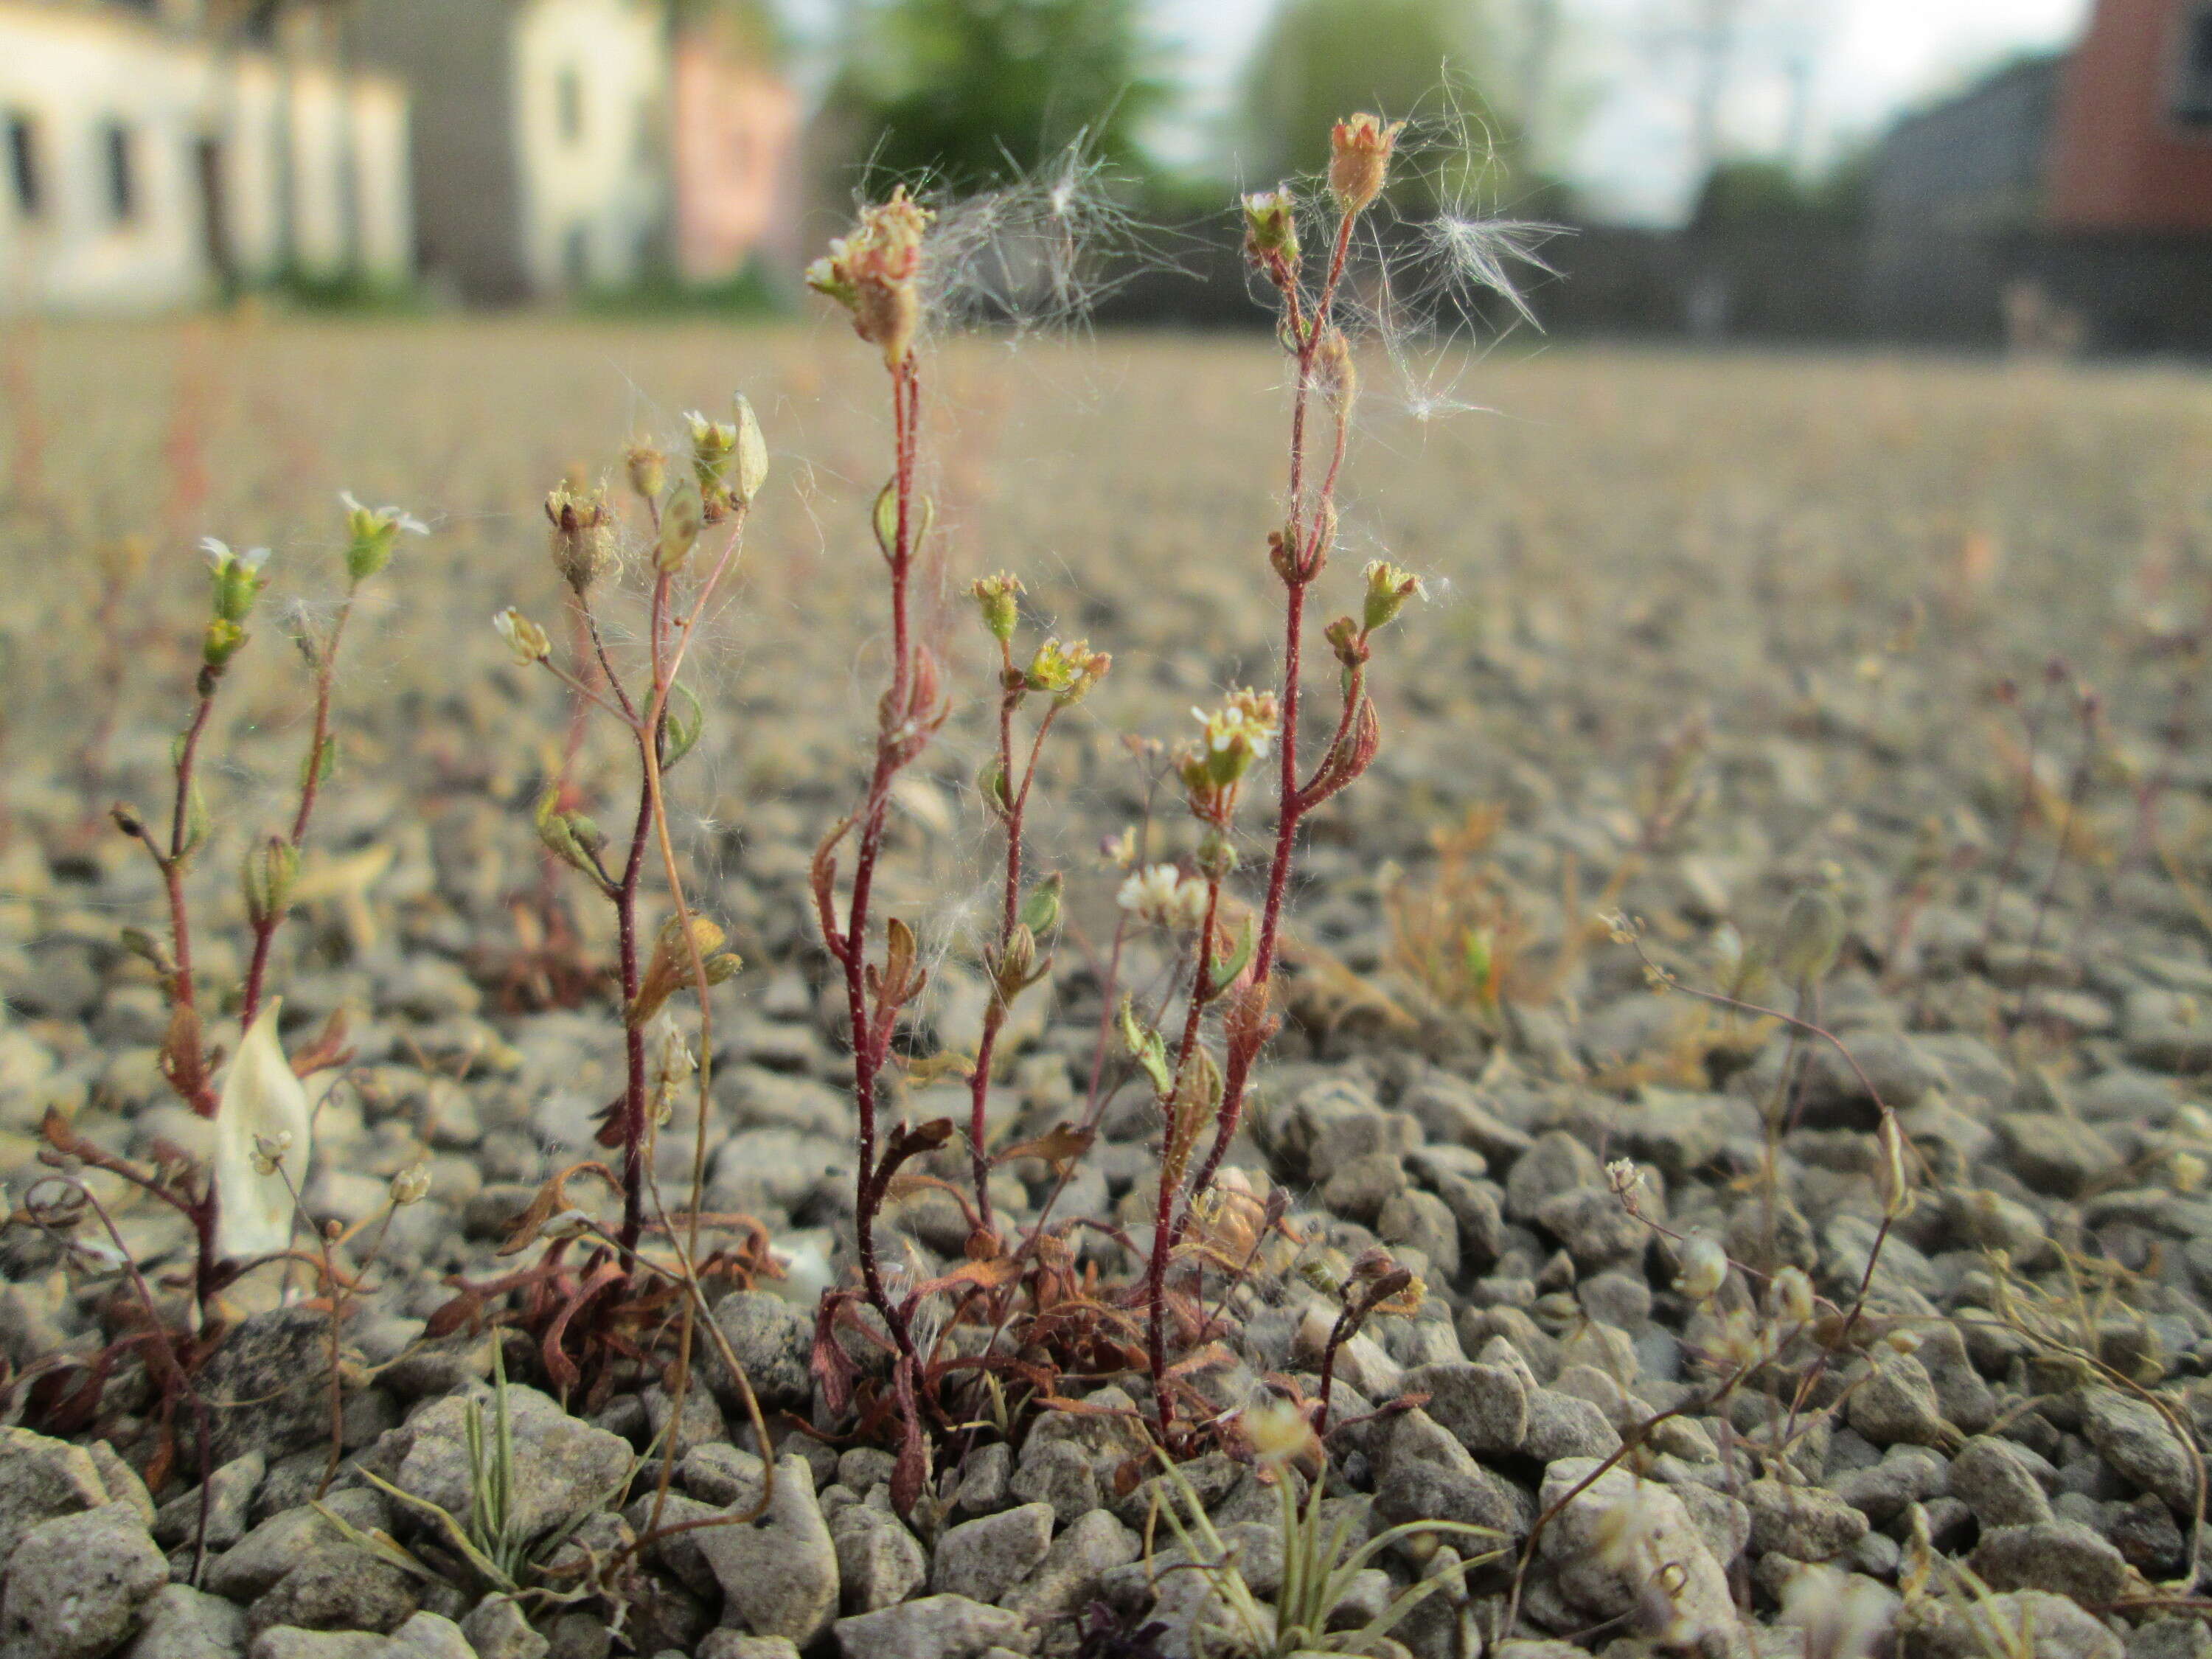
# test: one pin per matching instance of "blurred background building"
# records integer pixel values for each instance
(1958, 173)
(160, 153)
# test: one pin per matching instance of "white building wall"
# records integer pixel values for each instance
(387, 223)
(73, 76)
(73, 73)
(591, 82)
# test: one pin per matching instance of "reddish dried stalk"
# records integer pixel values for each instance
(898, 739)
(1301, 566)
(265, 927)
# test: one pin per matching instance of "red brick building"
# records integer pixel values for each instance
(2132, 144)
(2075, 187)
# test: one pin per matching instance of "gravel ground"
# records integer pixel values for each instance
(1703, 635)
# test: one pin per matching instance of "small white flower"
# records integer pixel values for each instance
(411, 1185)
(1162, 895)
(391, 518)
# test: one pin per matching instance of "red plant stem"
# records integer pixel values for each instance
(265, 930)
(1301, 557)
(894, 748)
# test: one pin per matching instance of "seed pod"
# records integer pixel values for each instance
(582, 538)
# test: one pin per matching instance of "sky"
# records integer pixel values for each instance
(1833, 71)
(1632, 151)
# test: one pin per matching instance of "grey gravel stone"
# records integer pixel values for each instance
(182, 1623)
(733, 1644)
(496, 1629)
(1609, 1585)
(1992, 1477)
(42, 1479)
(1897, 1403)
(339, 1587)
(1908, 1474)
(1064, 1581)
(779, 1574)
(252, 1566)
(2138, 1442)
(229, 1494)
(982, 1559)
(1061, 1474)
(773, 1340)
(1485, 1407)
(287, 1642)
(935, 1627)
(1806, 1523)
(879, 1562)
(984, 1479)
(1560, 1425)
(429, 1636)
(2064, 1557)
(563, 1466)
(79, 1584)
(2048, 1626)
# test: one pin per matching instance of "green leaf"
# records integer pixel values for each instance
(1146, 1048)
(1224, 975)
(686, 719)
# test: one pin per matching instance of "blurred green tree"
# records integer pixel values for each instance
(1321, 60)
(970, 90)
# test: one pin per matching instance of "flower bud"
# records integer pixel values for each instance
(524, 638)
(269, 869)
(1270, 226)
(1704, 1267)
(1041, 910)
(269, 1151)
(648, 471)
(1810, 940)
(1359, 160)
(410, 1186)
(1789, 1297)
(582, 541)
(998, 598)
(1388, 589)
(370, 533)
(713, 443)
(1018, 963)
(236, 580)
(1345, 639)
(873, 274)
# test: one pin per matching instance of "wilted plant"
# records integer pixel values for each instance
(1196, 1091)
(241, 1203)
(662, 720)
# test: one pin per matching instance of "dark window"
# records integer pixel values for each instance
(122, 173)
(23, 168)
(569, 105)
(2192, 94)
